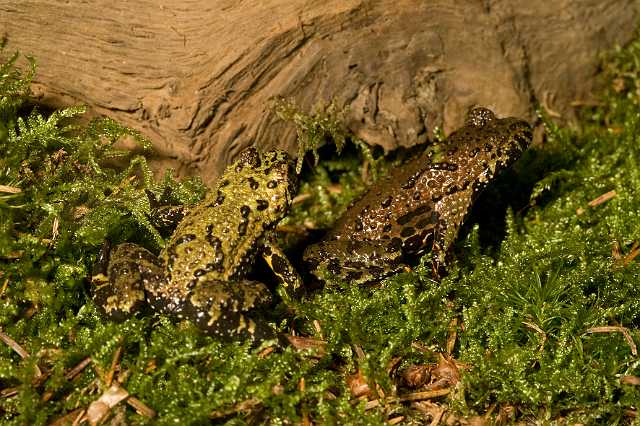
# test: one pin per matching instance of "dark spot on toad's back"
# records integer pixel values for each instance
(184, 239)
(424, 222)
(407, 232)
(253, 184)
(408, 217)
(394, 245)
(410, 182)
(242, 228)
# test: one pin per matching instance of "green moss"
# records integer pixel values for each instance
(530, 289)
(325, 124)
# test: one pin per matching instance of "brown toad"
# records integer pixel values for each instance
(420, 205)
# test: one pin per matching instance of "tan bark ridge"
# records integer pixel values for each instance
(197, 76)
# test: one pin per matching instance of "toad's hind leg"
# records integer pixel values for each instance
(353, 261)
(226, 309)
(120, 276)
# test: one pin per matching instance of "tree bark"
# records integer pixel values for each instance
(197, 76)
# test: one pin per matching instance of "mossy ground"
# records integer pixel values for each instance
(537, 320)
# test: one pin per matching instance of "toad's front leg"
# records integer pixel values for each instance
(281, 266)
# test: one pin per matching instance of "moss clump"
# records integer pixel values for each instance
(543, 302)
(327, 123)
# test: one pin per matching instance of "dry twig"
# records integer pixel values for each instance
(630, 380)
(140, 407)
(18, 349)
(619, 329)
(419, 396)
(78, 368)
(598, 200)
(302, 343)
(114, 364)
(538, 330)
(10, 189)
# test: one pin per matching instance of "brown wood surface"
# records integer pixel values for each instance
(197, 76)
